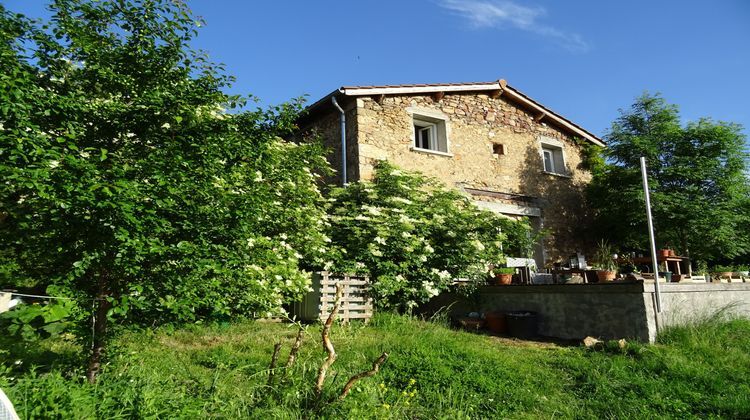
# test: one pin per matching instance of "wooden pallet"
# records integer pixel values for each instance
(356, 302)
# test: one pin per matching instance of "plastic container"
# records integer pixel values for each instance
(522, 324)
(666, 275)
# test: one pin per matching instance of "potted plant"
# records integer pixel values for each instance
(604, 262)
(722, 271)
(503, 275)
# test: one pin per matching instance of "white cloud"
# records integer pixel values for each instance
(506, 14)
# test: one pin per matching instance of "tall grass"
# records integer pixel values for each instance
(221, 371)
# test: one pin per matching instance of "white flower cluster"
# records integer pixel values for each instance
(441, 274)
(430, 288)
(400, 200)
(375, 211)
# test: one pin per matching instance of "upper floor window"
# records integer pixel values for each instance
(425, 135)
(553, 156)
(430, 134)
(430, 128)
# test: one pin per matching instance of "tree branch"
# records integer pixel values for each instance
(295, 349)
(327, 344)
(274, 359)
(375, 368)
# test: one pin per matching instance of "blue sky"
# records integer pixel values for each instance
(583, 59)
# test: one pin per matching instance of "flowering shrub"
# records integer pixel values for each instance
(125, 180)
(413, 235)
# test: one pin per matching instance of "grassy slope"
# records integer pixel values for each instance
(433, 372)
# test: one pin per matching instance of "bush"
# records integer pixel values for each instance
(414, 236)
(126, 180)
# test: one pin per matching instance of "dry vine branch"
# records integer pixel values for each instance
(295, 349)
(375, 368)
(327, 345)
(274, 359)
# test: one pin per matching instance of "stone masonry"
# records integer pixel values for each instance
(382, 128)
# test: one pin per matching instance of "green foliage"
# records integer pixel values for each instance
(503, 270)
(697, 175)
(125, 178)
(414, 236)
(603, 258)
(700, 371)
(34, 321)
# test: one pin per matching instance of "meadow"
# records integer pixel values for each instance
(221, 371)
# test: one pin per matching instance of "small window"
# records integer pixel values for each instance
(424, 135)
(430, 134)
(553, 159)
(549, 160)
(498, 149)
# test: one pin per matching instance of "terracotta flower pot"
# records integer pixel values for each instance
(663, 252)
(605, 275)
(672, 253)
(504, 278)
(496, 322)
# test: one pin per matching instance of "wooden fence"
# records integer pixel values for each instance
(356, 302)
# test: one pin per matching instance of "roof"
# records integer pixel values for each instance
(499, 87)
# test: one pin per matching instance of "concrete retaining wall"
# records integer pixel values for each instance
(608, 311)
(684, 303)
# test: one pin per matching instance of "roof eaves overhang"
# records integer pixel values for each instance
(406, 90)
(501, 86)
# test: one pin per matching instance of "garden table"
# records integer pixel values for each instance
(673, 264)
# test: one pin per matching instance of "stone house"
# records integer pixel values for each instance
(508, 152)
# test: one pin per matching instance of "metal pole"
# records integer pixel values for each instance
(651, 234)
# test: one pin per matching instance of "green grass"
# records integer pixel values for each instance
(220, 371)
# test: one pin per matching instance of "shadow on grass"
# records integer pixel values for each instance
(42, 355)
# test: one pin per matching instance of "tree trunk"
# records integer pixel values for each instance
(327, 344)
(99, 329)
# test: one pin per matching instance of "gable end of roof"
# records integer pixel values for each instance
(500, 87)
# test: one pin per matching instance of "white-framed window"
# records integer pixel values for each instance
(430, 132)
(553, 156)
(425, 135)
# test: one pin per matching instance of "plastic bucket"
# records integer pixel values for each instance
(522, 324)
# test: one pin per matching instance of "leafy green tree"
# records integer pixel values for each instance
(127, 184)
(414, 236)
(698, 178)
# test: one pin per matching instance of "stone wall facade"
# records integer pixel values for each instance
(475, 122)
(326, 127)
